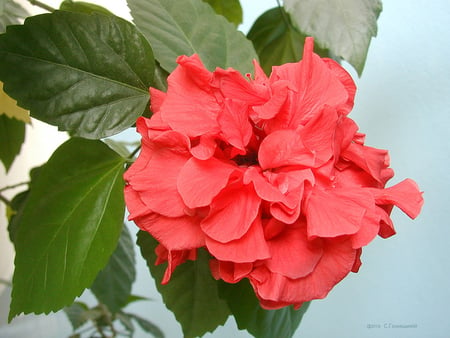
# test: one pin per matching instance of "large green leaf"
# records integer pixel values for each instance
(259, 322)
(276, 41)
(69, 226)
(192, 294)
(112, 286)
(185, 27)
(88, 74)
(83, 7)
(12, 135)
(230, 9)
(345, 27)
(11, 13)
(147, 326)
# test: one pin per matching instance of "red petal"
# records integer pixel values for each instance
(205, 149)
(233, 85)
(336, 212)
(293, 255)
(405, 195)
(337, 261)
(372, 160)
(134, 203)
(232, 213)
(156, 183)
(190, 107)
(316, 86)
(174, 258)
(346, 80)
(249, 248)
(200, 181)
(272, 107)
(228, 271)
(234, 124)
(263, 187)
(157, 98)
(319, 133)
(180, 233)
(283, 148)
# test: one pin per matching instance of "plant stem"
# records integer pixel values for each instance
(135, 151)
(283, 14)
(41, 5)
(5, 200)
(5, 282)
(8, 187)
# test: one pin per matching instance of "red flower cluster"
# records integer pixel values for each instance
(267, 173)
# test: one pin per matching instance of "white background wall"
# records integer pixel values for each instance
(403, 105)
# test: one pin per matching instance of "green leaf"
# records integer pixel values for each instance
(112, 286)
(69, 226)
(76, 314)
(185, 27)
(344, 27)
(147, 326)
(83, 7)
(10, 13)
(134, 298)
(230, 9)
(12, 136)
(276, 41)
(259, 322)
(126, 322)
(88, 74)
(17, 205)
(192, 293)
(9, 107)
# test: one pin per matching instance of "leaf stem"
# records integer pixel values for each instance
(41, 5)
(5, 282)
(135, 151)
(8, 187)
(5, 200)
(283, 14)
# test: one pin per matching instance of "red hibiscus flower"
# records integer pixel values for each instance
(269, 174)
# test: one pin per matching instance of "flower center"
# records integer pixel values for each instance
(246, 160)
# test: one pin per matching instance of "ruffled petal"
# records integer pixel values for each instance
(283, 148)
(156, 182)
(232, 213)
(134, 204)
(250, 247)
(264, 189)
(336, 262)
(316, 86)
(405, 195)
(233, 85)
(199, 182)
(173, 258)
(230, 272)
(292, 254)
(205, 148)
(319, 133)
(179, 233)
(336, 212)
(157, 98)
(372, 160)
(279, 94)
(234, 124)
(190, 107)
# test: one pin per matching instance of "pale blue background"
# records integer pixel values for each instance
(402, 104)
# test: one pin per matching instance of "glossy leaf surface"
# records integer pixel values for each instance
(69, 226)
(88, 74)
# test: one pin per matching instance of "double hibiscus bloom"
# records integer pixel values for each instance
(267, 173)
